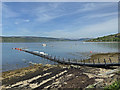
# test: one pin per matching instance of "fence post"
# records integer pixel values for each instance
(63, 61)
(69, 61)
(105, 62)
(93, 61)
(110, 60)
(84, 61)
(118, 59)
(77, 62)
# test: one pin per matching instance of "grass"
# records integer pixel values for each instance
(114, 86)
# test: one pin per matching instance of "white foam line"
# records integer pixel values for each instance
(35, 85)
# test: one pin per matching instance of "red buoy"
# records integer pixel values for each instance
(90, 51)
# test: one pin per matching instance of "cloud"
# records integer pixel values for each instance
(27, 20)
(47, 12)
(45, 17)
(69, 20)
(88, 7)
(16, 23)
(7, 12)
(103, 15)
(21, 21)
(50, 11)
(100, 15)
(89, 31)
(20, 32)
(95, 6)
(100, 29)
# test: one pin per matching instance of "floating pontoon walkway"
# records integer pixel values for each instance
(70, 62)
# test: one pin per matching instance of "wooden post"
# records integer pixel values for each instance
(93, 61)
(77, 62)
(98, 60)
(63, 61)
(84, 61)
(105, 62)
(118, 59)
(110, 60)
(69, 60)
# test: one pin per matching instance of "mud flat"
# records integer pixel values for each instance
(59, 76)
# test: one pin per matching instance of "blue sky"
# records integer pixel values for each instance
(59, 20)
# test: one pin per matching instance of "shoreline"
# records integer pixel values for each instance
(114, 57)
(77, 76)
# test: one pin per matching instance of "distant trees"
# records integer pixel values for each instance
(109, 38)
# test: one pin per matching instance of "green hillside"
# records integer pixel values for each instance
(30, 39)
(109, 38)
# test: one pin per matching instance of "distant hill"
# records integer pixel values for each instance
(81, 39)
(16, 39)
(30, 39)
(109, 38)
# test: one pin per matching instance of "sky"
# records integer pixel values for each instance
(59, 19)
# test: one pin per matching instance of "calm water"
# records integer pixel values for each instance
(13, 59)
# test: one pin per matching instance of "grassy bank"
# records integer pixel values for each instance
(109, 38)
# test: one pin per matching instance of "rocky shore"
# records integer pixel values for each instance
(114, 57)
(59, 76)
